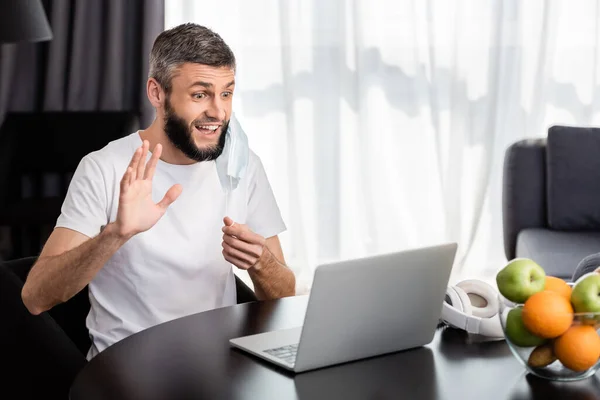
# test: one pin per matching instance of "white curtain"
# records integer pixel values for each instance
(382, 124)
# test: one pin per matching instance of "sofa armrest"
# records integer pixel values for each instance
(523, 190)
(587, 265)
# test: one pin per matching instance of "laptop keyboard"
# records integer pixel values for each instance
(285, 353)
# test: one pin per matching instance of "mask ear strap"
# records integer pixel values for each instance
(227, 195)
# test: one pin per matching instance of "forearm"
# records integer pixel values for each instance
(55, 279)
(272, 279)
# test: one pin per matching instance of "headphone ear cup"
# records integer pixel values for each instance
(453, 299)
(464, 299)
(486, 292)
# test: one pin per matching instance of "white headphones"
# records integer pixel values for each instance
(459, 312)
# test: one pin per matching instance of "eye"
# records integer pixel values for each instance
(227, 94)
(198, 96)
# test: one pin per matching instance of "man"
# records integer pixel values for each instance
(148, 232)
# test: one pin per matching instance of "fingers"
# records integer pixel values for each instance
(246, 259)
(141, 167)
(228, 221)
(235, 261)
(238, 263)
(133, 164)
(171, 195)
(241, 253)
(151, 167)
(252, 250)
(125, 180)
(242, 232)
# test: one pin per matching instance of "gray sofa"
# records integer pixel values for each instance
(551, 200)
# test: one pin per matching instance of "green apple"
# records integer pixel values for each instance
(582, 277)
(586, 294)
(520, 279)
(517, 333)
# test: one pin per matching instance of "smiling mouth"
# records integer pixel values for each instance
(207, 129)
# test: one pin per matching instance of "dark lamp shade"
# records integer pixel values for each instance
(23, 21)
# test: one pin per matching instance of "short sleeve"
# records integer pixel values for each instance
(85, 206)
(264, 216)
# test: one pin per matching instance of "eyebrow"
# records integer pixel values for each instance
(209, 85)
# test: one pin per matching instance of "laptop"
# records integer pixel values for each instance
(362, 308)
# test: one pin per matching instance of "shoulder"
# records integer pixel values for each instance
(254, 163)
(255, 170)
(256, 174)
(114, 153)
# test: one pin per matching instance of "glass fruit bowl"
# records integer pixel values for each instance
(550, 342)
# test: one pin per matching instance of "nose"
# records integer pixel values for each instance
(216, 109)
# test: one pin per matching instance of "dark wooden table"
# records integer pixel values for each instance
(190, 358)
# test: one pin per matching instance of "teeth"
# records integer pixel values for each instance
(208, 127)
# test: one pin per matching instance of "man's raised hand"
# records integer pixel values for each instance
(137, 212)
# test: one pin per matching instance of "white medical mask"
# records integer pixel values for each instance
(233, 161)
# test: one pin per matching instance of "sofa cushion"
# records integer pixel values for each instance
(573, 176)
(559, 253)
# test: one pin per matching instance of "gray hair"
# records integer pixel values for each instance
(187, 43)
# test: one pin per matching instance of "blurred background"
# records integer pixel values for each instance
(382, 124)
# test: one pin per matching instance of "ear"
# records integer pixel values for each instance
(155, 93)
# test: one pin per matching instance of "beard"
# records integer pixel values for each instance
(181, 135)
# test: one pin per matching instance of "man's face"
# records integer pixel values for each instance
(197, 111)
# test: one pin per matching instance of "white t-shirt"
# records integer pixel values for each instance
(176, 268)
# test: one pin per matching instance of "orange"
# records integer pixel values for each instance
(579, 348)
(559, 286)
(547, 314)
